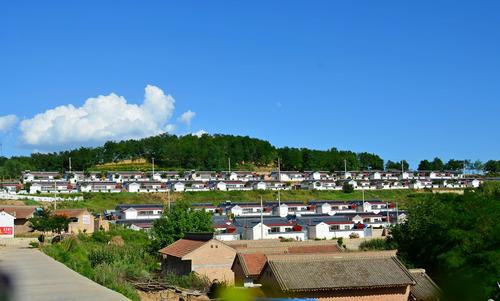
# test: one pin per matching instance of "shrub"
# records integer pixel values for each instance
(377, 244)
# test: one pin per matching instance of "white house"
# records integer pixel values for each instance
(416, 184)
(287, 176)
(375, 176)
(6, 225)
(98, 186)
(331, 229)
(474, 183)
(178, 187)
(49, 187)
(260, 186)
(324, 208)
(133, 187)
(274, 231)
(139, 212)
(248, 210)
(9, 187)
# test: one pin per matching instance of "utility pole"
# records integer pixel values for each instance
(402, 167)
(55, 196)
(168, 200)
(279, 198)
(397, 213)
(153, 162)
(279, 170)
(345, 168)
(261, 219)
(70, 165)
(229, 165)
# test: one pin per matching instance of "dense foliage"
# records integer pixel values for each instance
(208, 152)
(176, 222)
(97, 257)
(456, 238)
(45, 221)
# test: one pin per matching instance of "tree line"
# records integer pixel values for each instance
(211, 152)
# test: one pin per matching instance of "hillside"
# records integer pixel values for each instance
(208, 152)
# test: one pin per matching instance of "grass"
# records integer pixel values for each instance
(108, 264)
(98, 202)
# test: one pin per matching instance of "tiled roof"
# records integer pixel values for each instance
(252, 263)
(70, 212)
(425, 289)
(305, 273)
(182, 247)
(19, 212)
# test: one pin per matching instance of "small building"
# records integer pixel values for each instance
(424, 289)
(80, 220)
(139, 211)
(6, 225)
(199, 253)
(22, 215)
(347, 276)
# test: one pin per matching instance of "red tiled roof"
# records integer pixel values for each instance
(253, 263)
(182, 247)
(70, 212)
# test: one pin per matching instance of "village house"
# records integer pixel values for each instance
(22, 215)
(139, 211)
(270, 185)
(231, 186)
(126, 176)
(273, 228)
(176, 186)
(6, 225)
(320, 185)
(146, 186)
(330, 228)
(318, 175)
(240, 176)
(251, 259)
(40, 176)
(424, 289)
(99, 186)
(249, 209)
(199, 253)
(80, 220)
(287, 176)
(363, 276)
(10, 187)
(196, 186)
(50, 187)
(203, 176)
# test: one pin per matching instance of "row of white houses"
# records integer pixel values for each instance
(243, 176)
(186, 186)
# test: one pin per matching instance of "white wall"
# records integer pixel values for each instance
(6, 225)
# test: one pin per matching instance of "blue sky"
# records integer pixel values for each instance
(403, 80)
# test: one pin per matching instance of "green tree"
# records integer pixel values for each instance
(456, 238)
(347, 188)
(492, 166)
(174, 224)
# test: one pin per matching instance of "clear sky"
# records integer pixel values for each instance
(405, 80)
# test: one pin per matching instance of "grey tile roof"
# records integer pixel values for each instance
(425, 289)
(309, 274)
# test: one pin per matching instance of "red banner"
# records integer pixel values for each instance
(6, 230)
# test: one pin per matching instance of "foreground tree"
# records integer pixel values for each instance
(456, 238)
(174, 224)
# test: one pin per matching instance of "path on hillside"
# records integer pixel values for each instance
(38, 277)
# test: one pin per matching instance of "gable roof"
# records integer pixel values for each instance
(19, 212)
(182, 247)
(306, 273)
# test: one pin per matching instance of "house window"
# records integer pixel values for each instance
(334, 227)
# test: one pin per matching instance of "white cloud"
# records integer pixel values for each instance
(99, 119)
(7, 122)
(187, 116)
(199, 133)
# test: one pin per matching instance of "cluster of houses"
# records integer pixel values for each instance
(300, 221)
(163, 181)
(14, 220)
(312, 270)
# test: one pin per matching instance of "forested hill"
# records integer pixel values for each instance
(211, 152)
(208, 152)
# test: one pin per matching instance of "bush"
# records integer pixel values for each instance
(347, 188)
(34, 244)
(377, 244)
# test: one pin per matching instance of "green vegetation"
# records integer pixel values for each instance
(377, 244)
(45, 221)
(208, 152)
(107, 260)
(175, 223)
(456, 238)
(98, 202)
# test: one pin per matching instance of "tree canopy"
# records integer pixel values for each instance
(456, 238)
(174, 224)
